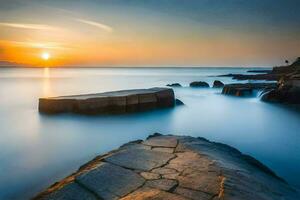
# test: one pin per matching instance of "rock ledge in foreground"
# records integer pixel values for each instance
(172, 167)
(110, 102)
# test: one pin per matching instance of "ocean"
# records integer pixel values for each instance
(36, 150)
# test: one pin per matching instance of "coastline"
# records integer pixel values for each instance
(98, 129)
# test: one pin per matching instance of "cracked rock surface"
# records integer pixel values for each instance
(172, 168)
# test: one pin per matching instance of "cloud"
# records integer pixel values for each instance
(37, 45)
(96, 24)
(29, 26)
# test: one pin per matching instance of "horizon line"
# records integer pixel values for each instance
(76, 66)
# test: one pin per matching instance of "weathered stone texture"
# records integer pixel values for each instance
(71, 191)
(110, 181)
(141, 160)
(162, 184)
(162, 141)
(192, 194)
(153, 194)
(167, 150)
(197, 169)
(110, 102)
(150, 176)
(164, 171)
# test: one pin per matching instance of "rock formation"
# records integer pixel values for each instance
(274, 75)
(199, 84)
(218, 84)
(174, 85)
(172, 167)
(178, 102)
(110, 102)
(246, 89)
(288, 91)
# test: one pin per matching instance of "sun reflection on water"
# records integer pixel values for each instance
(46, 82)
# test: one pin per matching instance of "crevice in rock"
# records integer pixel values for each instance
(168, 162)
(172, 189)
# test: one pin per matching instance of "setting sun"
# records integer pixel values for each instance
(45, 56)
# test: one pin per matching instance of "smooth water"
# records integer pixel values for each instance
(37, 150)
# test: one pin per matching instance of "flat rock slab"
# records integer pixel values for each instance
(192, 194)
(115, 102)
(152, 193)
(140, 159)
(71, 191)
(150, 176)
(162, 184)
(196, 169)
(110, 181)
(162, 141)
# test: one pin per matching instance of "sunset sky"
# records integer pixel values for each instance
(149, 32)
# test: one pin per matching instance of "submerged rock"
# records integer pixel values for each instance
(174, 85)
(195, 169)
(218, 84)
(239, 89)
(110, 102)
(199, 84)
(178, 102)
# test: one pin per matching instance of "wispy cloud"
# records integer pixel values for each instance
(29, 26)
(96, 24)
(37, 45)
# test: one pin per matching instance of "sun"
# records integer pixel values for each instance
(45, 56)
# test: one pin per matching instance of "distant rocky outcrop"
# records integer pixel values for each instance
(172, 167)
(218, 84)
(274, 75)
(259, 71)
(110, 102)
(174, 85)
(266, 77)
(246, 89)
(286, 91)
(294, 67)
(199, 84)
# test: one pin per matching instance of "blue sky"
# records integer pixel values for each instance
(150, 32)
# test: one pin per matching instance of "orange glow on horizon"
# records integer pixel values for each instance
(90, 33)
(139, 51)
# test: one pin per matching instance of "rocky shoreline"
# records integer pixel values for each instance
(246, 89)
(172, 167)
(287, 89)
